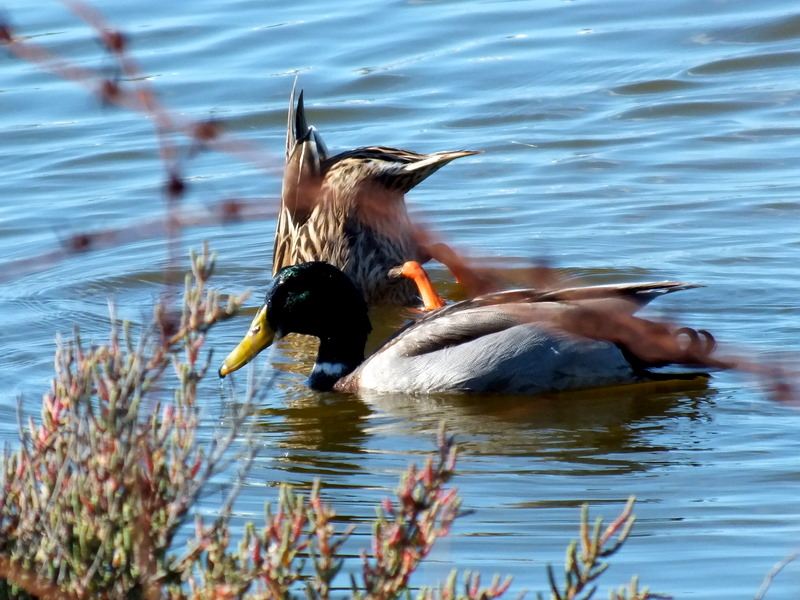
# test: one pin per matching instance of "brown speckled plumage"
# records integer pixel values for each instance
(349, 209)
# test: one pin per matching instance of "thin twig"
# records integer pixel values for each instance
(773, 573)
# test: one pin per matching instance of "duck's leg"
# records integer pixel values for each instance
(431, 300)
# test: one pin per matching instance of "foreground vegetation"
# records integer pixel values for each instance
(95, 496)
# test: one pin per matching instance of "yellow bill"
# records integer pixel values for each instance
(259, 337)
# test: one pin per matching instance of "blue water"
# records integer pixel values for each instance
(622, 142)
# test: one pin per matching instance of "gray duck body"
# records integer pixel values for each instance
(496, 353)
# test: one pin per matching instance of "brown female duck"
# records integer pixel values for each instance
(349, 209)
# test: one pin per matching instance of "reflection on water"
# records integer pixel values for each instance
(567, 426)
(317, 434)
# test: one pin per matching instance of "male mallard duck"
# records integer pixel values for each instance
(521, 342)
(349, 209)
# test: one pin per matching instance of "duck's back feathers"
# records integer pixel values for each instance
(640, 293)
(624, 298)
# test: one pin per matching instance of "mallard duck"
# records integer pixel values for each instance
(521, 342)
(349, 209)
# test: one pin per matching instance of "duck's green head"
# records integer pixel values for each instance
(312, 298)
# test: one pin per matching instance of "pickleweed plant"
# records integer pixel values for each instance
(586, 560)
(95, 494)
(405, 530)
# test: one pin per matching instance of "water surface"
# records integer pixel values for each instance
(622, 142)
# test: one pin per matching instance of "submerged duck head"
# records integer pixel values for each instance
(315, 299)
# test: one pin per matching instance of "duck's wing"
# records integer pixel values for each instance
(639, 293)
(635, 294)
(601, 313)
